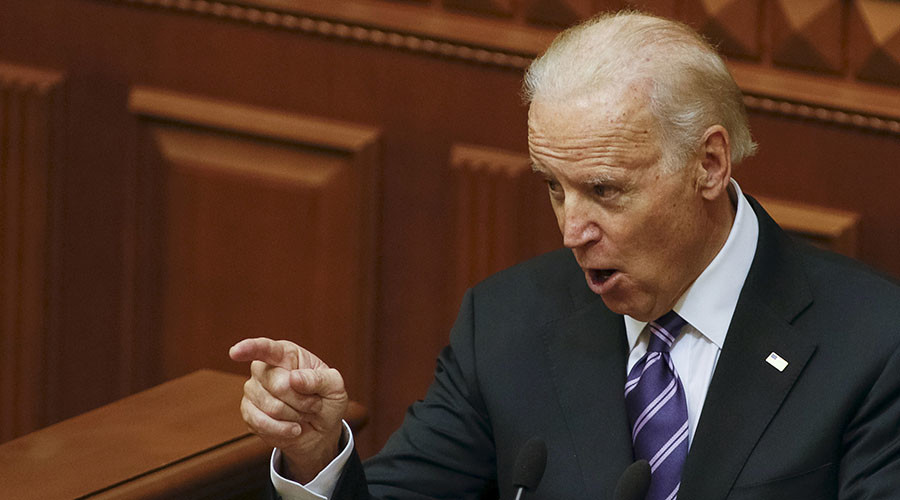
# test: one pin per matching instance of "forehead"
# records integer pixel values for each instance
(603, 128)
(588, 111)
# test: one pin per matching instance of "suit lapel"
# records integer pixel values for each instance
(587, 353)
(746, 391)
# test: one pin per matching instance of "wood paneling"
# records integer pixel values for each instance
(495, 7)
(834, 166)
(809, 35)
(835, 230)
(875, 41)
(734, 25)
(31, 155)
(393, 25)
(557, 12)
(181, 212)
(500, 214)
(265, 225)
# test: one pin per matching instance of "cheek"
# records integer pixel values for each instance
(646, 243)
(559, 213)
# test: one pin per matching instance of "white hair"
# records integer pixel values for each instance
(689, 87)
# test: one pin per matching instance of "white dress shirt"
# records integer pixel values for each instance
(321, 487)
(707, 305)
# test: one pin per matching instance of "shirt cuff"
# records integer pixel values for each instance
(322, 486)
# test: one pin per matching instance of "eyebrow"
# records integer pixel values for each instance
(600, 179)
(588, 180)
(539, 169)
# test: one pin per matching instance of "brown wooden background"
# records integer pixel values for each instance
(178, 174)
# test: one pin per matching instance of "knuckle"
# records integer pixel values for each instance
(280, 386)
(336, 378)
(310, 405)
(258, 368)
(273, 407)
(315, 379)
(245, 415)
(251, 418)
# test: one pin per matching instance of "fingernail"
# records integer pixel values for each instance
(296, 430)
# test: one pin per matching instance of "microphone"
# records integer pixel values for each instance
(634, 482)
(529, 466)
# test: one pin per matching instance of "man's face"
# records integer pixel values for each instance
(640, 234)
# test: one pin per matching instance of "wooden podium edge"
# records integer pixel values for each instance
(239, 464)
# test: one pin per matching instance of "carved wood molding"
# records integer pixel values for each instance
(822, 114)
(31, 157)
(415, 29)
(476, 158)
(440, 34)
(825, 99)
(175, 107)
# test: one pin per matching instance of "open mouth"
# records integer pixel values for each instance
(600, 276)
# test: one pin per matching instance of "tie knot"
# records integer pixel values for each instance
(664, 331)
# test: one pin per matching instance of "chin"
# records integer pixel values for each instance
(620, 306)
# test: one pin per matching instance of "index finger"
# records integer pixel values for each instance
(272, 352)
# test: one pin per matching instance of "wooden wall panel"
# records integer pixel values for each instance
(735, 25)
(500, 214)
(31, 107)
(265, 226)
(495, 7)
(835, 230)
(809, 35)
(562, 13)
(557, 12)
(427, 76)
(835, 166)
(874, 41)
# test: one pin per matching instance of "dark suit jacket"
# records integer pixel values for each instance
(535, 353)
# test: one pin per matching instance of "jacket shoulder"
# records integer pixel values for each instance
(538, 289)
(843, 276)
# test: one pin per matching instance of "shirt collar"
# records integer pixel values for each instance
(709, 302)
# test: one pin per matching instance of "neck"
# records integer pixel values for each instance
(722, 212)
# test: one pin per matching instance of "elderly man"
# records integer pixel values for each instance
(683, 327)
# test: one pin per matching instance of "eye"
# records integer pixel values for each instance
(605, 191)
(555, 189)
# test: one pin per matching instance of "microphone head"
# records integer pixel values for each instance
(634, 482)
(530, 464)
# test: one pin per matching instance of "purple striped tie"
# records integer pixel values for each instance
(657, 409)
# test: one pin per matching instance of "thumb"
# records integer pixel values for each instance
(325, 382)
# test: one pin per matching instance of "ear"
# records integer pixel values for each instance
(715, 161)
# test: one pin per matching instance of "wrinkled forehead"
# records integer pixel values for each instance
(590, 113)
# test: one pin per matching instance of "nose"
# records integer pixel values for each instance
(578, 228)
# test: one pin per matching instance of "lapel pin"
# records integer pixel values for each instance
(777, 361)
